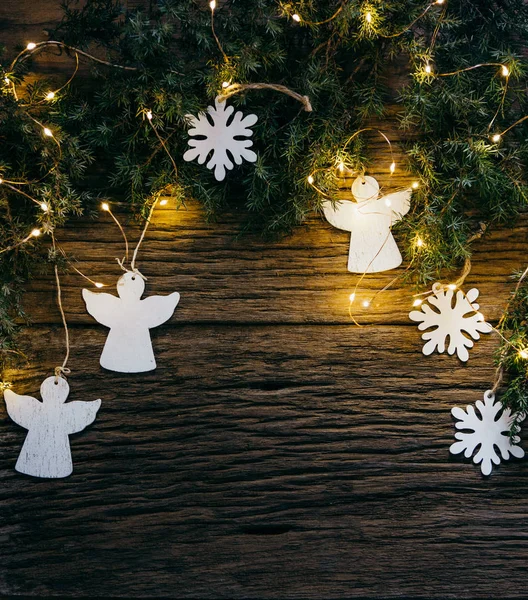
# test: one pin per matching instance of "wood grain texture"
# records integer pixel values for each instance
(278, 451)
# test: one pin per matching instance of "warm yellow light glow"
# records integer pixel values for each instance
(48, 132)
(451, 286)
(44, 207)
(225, 84)
(212, 4)
(341, 167)
(352, 297)
(428, 69)
(296, 18)
(393, 167)
(417, 302)
(1, 180)
(415, 185)
(439, 1)
(505, 71)
(388, 202)
(366, 303)
(50, 95)
(31, 46)
(149, 115)
(310, 179)
(368, 17)
(98, 285)
(35, 232)
(420, 243)
(105, 206)
(523, 353)
(496, 138)
(163, 202)
(7, 80)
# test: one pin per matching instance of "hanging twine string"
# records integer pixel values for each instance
(134, 256)
(236, 88)
(62, 370)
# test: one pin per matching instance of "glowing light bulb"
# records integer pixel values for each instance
(496, 138)
(415, 185)
(388, 202)
(417, 302)
(366, 303)
(296, 18)
(98, 285)
(439, 1)
(44, 207)
(48, 132)
(225, 84)
(105, 206)
(428, 69)
(1, 180)
(420, 243)
(393, 167)
(523, 353)
(310, 179)
(149, 115)
(368, 17)
(505, 72)
(352, 297)
(451, 286)
(31, 46)
(341, 167)
(212, 4)
(50, 95)
(35, 232)
(163, 202)
(7, 81)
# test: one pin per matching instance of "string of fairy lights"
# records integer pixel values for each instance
(373, 24)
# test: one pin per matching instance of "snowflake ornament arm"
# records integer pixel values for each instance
(450, 321)
(221, 138)
(490, 432)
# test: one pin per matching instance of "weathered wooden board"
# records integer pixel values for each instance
(278, 451)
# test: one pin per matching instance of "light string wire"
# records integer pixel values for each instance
(212, 6)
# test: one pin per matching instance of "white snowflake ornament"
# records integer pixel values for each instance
(217, 134)
(455, 316)
(489, 431)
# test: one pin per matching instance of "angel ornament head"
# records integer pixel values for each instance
(369, 218)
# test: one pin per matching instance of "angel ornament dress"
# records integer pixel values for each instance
(46, 450)
(369, 218)
(128, 347)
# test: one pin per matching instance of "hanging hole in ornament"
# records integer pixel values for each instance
(134, 278)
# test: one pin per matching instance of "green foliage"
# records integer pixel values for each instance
(341, 54)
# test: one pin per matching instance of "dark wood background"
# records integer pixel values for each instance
(278, 451)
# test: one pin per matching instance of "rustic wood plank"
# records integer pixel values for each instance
(252, 464)
(225, 278)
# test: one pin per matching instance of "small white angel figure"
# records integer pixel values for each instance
(128, 347)
(46, 450)
(369, 219)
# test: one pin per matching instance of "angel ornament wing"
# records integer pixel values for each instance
(128, 347)
(46, 450)
(369, 218)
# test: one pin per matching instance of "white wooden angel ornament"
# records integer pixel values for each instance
(46, 451)
(369, 218)
(128, 347)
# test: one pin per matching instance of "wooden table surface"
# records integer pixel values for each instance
(278, 451)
